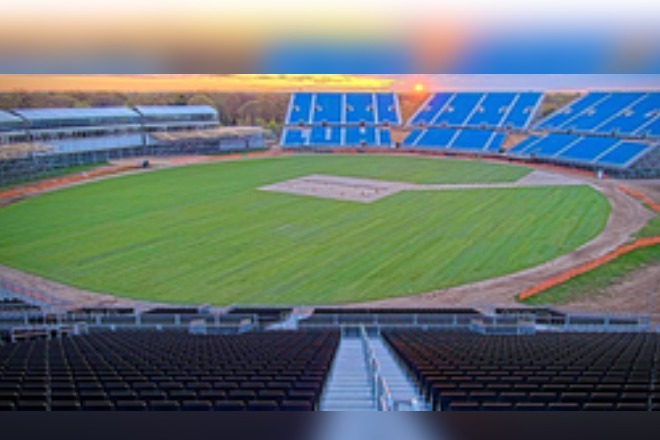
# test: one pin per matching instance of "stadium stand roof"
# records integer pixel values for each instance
(54, 114)
(10, 123)
(156, 111)
(6, 117)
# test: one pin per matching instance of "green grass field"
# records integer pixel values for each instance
(205, 234)
(594, 282)
(76, 169)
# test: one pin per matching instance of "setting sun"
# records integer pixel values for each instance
(419, 87)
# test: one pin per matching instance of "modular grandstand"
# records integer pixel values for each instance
(615, 132)
(392, 281)
(341, 120)
(40, 141)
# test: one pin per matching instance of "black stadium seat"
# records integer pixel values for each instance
(547, 371)
(167, 371)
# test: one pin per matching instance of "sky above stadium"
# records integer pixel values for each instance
(285, 83)
(326, 37)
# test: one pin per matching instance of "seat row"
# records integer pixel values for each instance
(158, 405)
(555, 370)
(109, 370)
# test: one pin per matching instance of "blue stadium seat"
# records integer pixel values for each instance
(552, 144)
(616, 115)
(327, 108)
(413, 137)
(387, 109)
(343, 108)
(522, 147)
(523, 109)
(300, 109)
(472, 140)
(356, 136)
(427, 112)
(469, 109)
(496, 142)
(340, 119)
(492, 110)
(436, 138)
(294, 137)
(385, 137)
(628, 121)
(360, 108)
(588, 148)
(557, 119)
(622, 154)
(325, 136)
(601, 112)
(459, 109)
(653, 129)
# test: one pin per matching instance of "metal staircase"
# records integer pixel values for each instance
(366, 376)
(404, 392)
(348, 387)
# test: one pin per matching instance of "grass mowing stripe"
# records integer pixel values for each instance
(205, 234)
(593, 282)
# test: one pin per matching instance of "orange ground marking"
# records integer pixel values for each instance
(61, 181)
(639, 196)
(57, 182)
(579, 270)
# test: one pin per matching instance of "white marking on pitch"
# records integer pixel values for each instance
(339, 188)
(368, 190)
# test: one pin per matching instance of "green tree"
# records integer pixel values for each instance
(201, 99)
(249, 112)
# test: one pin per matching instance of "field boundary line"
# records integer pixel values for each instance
(53, 183)
(640, 196)
(587, 267)
(58, 182)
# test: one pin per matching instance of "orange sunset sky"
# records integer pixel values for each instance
(202, 82)
(287, 83)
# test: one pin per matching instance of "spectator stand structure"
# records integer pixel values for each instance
(616, 132)
(12, 129)
(471, 122)
(545, 372)
(239, 358)
(325, 121)
(39, 141)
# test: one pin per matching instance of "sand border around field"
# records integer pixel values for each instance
(627, 217)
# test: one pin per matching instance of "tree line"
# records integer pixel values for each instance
(267, 110)
(262, 109)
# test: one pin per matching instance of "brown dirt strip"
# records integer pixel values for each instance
(69, 297)
(579, 270)
(32, 189)
(627, 217)
(116, 169)
(634, 293)
(640, 196)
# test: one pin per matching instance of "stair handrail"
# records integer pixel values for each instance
(380, 389)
